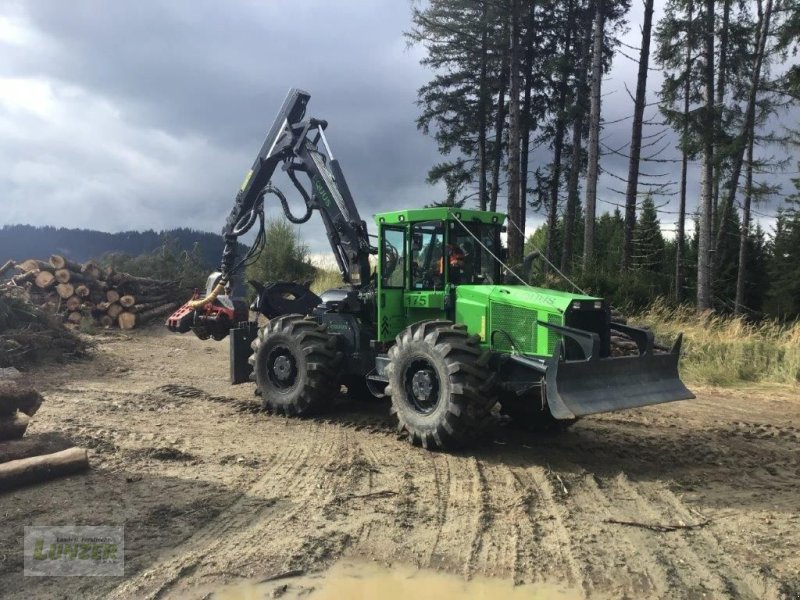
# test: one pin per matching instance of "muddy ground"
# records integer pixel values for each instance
(213, 491)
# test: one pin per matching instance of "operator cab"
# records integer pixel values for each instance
(425, 254)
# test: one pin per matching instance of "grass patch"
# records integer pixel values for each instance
(725, 350)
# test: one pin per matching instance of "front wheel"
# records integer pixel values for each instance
(295, 361)
(439, 385)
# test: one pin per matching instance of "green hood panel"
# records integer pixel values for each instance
(521, 296)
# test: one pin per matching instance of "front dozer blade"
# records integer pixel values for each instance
(576, 388)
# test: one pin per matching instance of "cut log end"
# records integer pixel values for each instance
(112, 296)
(44, 279)
(127, 300)
(126, 320)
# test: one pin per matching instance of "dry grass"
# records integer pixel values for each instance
(720, 350)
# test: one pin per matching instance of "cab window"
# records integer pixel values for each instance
(427, 247)
(393, 258)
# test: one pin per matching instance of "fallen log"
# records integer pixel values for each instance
(13, 427)
(112, 296)
(65, 290)
(67, 276)
(44, 279)
(9, 264)
(83, 291)
(91, 269)
(34, 265)
(159, 311)
(114, 310)
(73, 303)
(59, 262)
(126, 320)
(24, 277)
(33, 445)
(127, 300)
(123, 278)
(36, 469)
(23, 399)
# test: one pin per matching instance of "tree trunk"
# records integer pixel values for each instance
(525, 119)
(594, 134)
(581, 77)
(707, 199)
(515, 233)
(741, 274)
(558, 147)
(748, 127)
(631, 192)
(25, 471)
(127, 301)
(482, 110)
(500, 118)
(680, 242)
(720, 91)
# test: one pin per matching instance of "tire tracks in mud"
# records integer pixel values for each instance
(233, 538)
(630, 561)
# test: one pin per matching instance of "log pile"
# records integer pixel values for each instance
(31, 460)
(89, 294)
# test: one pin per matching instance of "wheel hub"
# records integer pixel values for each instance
(282, 368)
(422, 386)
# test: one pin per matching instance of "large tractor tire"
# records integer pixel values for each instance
(295, 362)
(439, 385)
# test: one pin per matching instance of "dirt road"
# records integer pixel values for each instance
(698, 499)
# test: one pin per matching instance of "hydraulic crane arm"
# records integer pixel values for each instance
(293, 143)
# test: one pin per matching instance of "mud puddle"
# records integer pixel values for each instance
(364, 581)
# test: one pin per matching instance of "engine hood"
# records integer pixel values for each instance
(522, 296)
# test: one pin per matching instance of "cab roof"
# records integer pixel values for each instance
(439, 213)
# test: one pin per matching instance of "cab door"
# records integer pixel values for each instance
(425, 298)
(392, 280)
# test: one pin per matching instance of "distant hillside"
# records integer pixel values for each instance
(20, 242)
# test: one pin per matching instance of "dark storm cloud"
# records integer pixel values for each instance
(120, 115)
(210, 77)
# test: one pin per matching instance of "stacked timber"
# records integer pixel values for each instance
(87, 293)
(30, 460)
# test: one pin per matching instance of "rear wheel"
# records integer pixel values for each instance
(439, 385)
(295, 360)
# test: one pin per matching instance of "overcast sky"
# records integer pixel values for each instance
(146, 114)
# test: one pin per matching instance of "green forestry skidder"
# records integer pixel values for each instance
(435, 326)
